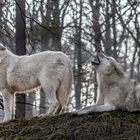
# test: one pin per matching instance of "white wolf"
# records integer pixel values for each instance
(115, 90)
(51, 71)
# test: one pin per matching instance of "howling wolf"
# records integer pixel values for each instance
(115, 90)
(50, 70)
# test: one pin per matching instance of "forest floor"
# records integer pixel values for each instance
(116, 125)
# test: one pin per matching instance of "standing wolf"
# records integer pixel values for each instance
(115, 90)
(51, 71)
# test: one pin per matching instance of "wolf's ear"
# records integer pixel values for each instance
(117, 66)
(2, 47)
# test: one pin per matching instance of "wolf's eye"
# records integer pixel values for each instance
(107, 58)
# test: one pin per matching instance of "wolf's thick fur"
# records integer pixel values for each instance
(115, 90)
(51, 71)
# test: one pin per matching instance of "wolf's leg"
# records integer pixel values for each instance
(100, 99)
(57, 109)
(82, 109)
(50, 91)
(99, 102)
(54, 107)
(8, 104)
(100, 108)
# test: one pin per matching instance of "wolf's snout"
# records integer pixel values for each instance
(96, 61)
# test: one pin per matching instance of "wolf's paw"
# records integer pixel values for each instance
(78, 113)
(5, 121)
(42, 115)
(81, 113)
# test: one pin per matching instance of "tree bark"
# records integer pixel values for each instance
(56, 29)
(107, 44)
(97, 31)
(20, 50)
(114, 29)
(78, 56)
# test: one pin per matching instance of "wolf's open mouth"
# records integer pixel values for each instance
(96, 61)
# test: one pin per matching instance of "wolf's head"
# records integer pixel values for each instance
(106, 65)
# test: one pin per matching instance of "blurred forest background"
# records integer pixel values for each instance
(77, 28)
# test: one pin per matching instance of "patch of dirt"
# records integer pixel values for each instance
(115, 125)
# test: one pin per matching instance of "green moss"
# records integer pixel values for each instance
(28, 130)
(19, 138)
(116, 125)
(106, 117)
(23, 138)
(3, 130)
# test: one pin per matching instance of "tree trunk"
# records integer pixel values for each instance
(30, 98)
(46, 42)
(20, 50)
(56, 29)
(78, 52)
(107, 43)
(97, 31)
(1, 14)
(43, 103)
(114, 29)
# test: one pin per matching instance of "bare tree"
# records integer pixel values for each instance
(107, 41)
(78, 56)
(97, 33)
(20, 50)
